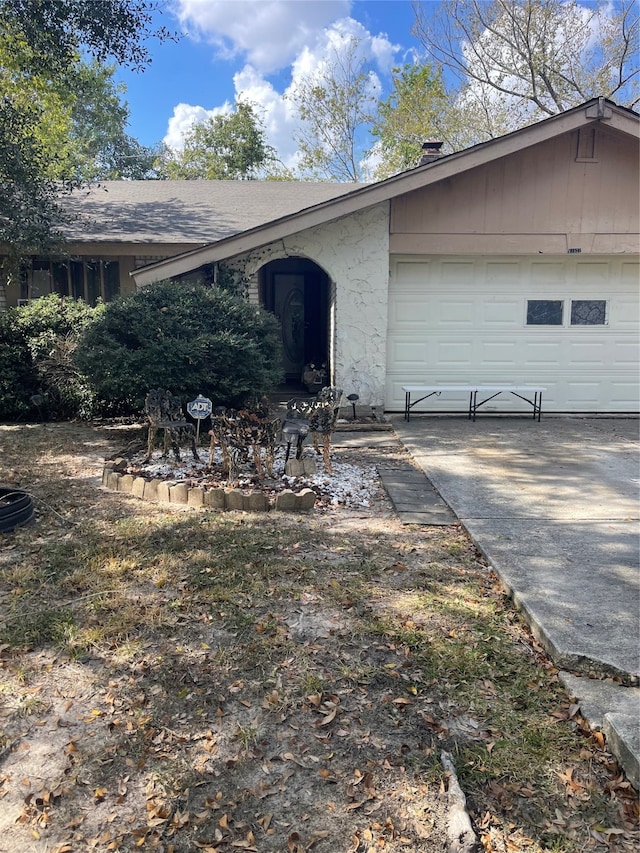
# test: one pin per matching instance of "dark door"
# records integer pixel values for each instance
(289, 303)
(297, 291)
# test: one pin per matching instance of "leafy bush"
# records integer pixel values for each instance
(37, 342)
(17, 377)
(52, 326)
(187, 338)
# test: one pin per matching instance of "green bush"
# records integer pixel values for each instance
(52, 326)
(187, 338)
(37, 343)
(18, 382)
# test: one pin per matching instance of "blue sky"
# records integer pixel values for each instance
(255, 49)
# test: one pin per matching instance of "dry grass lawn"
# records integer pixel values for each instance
(177, 680)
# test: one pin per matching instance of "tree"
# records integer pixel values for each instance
(40, 47)
(50, 32)
(336, 105)
(225, 147)
(518, 61)
(100, 149)
(410, 115)
(188, 338)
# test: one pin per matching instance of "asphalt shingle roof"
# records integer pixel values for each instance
(187, 211)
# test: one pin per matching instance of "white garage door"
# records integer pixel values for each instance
(570, 324)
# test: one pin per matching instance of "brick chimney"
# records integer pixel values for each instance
(430, 151)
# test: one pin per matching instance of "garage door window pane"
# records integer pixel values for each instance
(544, 312)
(588, 312)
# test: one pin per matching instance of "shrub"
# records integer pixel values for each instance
(51, 327)
(37, 341)
(17, 377)
(187, 338)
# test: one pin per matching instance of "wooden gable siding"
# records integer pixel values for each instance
(549, 198)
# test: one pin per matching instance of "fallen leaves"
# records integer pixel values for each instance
(207, 715)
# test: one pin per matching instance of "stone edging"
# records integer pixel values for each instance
(171, 491)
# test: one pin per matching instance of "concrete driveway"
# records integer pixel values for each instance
(554, 506)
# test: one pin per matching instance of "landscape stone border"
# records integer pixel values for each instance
(173, 491)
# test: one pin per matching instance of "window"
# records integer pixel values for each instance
(86, 279)
(110, 280)
(544, 312)
(588, 312)
(60, 275)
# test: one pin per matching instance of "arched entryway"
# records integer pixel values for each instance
(296, 290)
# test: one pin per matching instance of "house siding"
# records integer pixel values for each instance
(547, 199)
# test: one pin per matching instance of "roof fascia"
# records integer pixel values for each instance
(421, 176)
(624, 122)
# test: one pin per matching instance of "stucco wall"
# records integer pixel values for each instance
(354, 252)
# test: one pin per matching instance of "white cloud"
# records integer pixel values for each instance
(275, 107)
(184, 117)
(268, 34)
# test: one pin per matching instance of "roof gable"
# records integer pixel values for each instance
(583, 182)
(598, 110)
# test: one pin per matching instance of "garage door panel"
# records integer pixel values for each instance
(407, 311)
(621, 393)
(590, 272)
(630, 273)
(502, 272)
(587, 353)
(458, 272)
(627, 354)
(624, 312)
(546, 273)
(409, 355)
(501, 314)
(455, 312)
(498, 353)
(548, 353)
(411, 273)
(455, 320)
(583, 395)
(453, 353)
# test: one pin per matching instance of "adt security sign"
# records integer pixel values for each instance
(199, 409)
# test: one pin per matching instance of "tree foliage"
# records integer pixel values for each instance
(518, 61)
(224, 147)
(408, 117)
(187, 338)
(29, 209)
(100, 149)
(50, 32)
(336, 105)
(47, 96)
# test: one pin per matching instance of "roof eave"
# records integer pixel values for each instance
(417, 178)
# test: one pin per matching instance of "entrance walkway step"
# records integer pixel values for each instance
(414, 497)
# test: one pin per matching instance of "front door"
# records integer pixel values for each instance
(289, 298)
(296, 290)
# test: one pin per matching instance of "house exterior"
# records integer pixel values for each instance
(118, 226)
(515, 261)
(512, 262)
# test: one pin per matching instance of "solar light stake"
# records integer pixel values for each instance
(353, 399)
